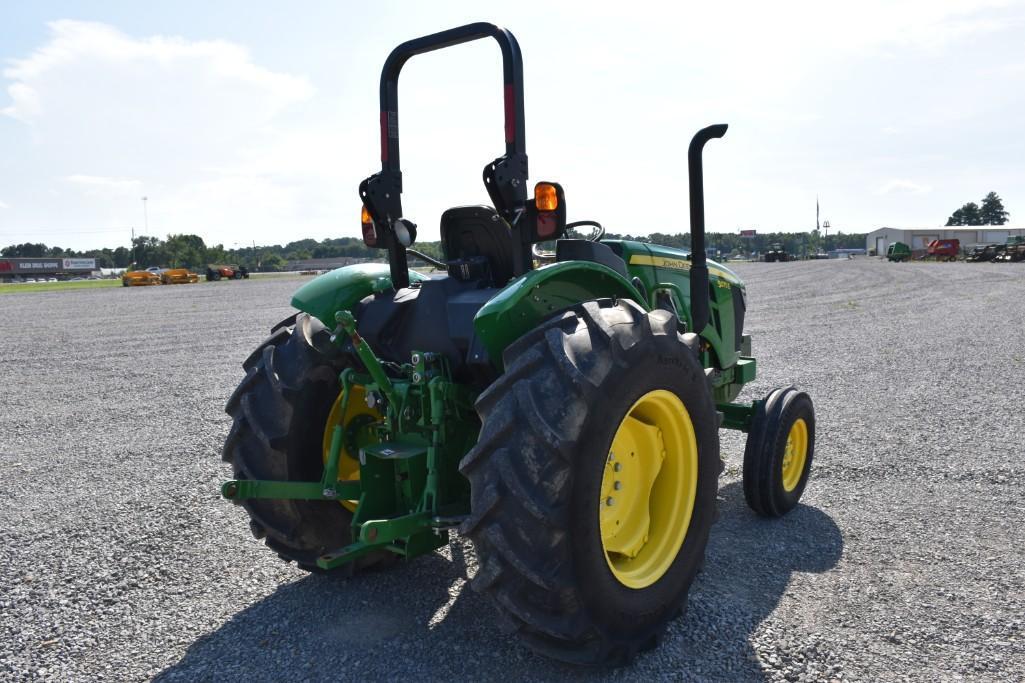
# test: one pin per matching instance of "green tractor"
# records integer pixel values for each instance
(564, 417)
(777, 253)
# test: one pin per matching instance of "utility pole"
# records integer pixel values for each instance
(145, 214)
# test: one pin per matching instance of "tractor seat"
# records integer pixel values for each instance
(586, 250)
(478, 245)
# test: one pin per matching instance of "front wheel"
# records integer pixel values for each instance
(594, 481)
(778, 455)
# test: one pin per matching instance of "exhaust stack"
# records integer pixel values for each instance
(699, 269)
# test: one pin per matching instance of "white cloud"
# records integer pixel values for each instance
(106, 183)
(104, 104)
(116, 116)
(898, 186)
(4, 205)
(86, 57)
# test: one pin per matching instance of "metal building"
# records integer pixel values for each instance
(919, 238)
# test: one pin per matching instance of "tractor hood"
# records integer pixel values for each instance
(678, 259)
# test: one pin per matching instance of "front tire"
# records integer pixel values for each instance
(552, 431)
(779, 451)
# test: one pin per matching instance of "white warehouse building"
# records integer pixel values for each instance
(919, 238)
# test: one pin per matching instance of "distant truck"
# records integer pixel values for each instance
(215, 272)
(943, 250)
(898, 252)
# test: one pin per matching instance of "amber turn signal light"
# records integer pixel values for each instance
(545, 197)
(369, 231)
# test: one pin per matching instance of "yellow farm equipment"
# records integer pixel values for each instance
(178, 276)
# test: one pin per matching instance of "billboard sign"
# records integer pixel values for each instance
(748, 233)
(45, 265)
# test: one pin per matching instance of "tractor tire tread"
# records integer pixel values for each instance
(275, 420)
(521, 472)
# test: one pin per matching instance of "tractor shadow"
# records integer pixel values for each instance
(749, 565)
(422, 621)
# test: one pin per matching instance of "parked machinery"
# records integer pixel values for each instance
(777, 252)
(178, 276)
(221, 272)
(984, 252)
(1013, 251)
(138, 278)
(942, 250)
(898, 252)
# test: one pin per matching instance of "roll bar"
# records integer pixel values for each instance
(505, 178)
(512, 73)
(698, 265)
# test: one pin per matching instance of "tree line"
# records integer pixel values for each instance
(991, 212)
(190, 251)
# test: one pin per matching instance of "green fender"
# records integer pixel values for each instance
(343, 288)
(539, 294)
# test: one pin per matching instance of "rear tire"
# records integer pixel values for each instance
(279, 412)
(779, 451)
(536, 477)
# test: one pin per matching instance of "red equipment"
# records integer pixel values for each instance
(943, 250)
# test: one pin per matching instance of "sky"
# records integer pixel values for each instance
(254, 122)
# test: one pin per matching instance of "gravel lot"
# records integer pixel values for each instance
(118, 560)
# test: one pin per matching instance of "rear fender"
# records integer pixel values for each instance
(341, 289)
(541, 293)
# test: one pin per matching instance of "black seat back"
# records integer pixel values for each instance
(478, 245)
(586, 250)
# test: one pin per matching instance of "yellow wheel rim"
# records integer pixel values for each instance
(348, 464)
(795, 455)
(648, 489)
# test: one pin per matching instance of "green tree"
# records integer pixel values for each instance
(967, 215)
(216, 254)
(26, 250)
(122, 257)
(992, 211)
(147, 251)
(186, 251)
(272, 262)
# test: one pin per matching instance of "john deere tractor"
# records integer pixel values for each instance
(564, 417)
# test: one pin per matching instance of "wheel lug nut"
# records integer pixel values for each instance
(610, 501)
(618, 466)
(617, 485)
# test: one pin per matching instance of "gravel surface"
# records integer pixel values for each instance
(118, 560)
